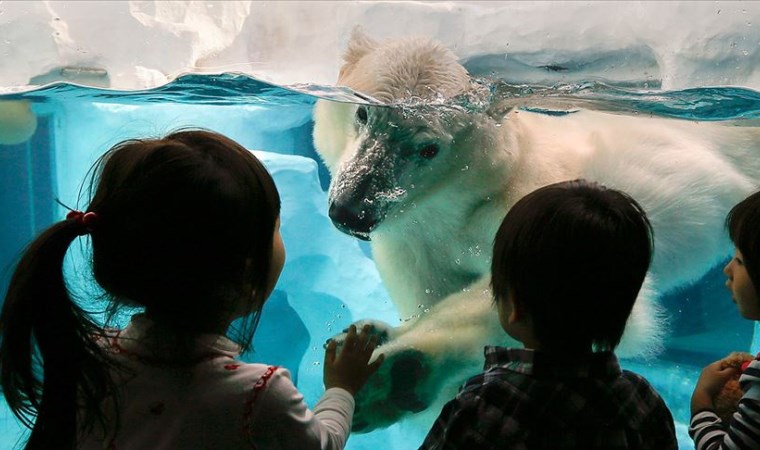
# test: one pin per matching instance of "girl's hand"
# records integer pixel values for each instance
(349, 369)
(711, 381)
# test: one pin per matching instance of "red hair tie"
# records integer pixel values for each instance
(85, 220)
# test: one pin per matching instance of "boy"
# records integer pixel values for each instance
(569, 260)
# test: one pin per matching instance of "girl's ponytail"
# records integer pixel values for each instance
(184, 227)
(51, 368)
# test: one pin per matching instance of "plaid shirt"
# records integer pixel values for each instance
(529, 400)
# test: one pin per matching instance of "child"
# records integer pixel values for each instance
(568, 262)
(186, 227)
(743, 272)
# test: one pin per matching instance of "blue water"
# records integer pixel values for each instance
(330, 279)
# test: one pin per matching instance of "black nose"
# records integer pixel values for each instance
(351, 221)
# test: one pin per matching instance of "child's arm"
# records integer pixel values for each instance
(283, 419)
(707, 430)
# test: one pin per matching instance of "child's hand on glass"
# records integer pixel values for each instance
(349, 369)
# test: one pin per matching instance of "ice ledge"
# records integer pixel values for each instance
(143, 44)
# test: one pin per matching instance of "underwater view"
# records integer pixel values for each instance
(393, 178)
(330, 279)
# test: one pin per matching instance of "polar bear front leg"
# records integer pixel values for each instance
(428, 360)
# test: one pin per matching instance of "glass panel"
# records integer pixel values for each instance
(545, 59)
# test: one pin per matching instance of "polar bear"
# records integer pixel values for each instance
(428, 180)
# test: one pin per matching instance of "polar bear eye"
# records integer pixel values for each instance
(429, 151)
(361, 115)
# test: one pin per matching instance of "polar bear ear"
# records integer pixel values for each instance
(359, 44)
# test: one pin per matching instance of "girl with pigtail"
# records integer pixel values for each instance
(185, 228)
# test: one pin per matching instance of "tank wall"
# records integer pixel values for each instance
(330, 279)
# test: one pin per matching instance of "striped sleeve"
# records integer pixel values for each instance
(743, 433)
(706, 429)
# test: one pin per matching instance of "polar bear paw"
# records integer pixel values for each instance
(396, 389)
(393, 391)
(377, 328)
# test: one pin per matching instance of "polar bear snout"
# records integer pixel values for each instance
(352, 219)
(365, 188)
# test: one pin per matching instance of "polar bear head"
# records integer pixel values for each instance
(385, 159)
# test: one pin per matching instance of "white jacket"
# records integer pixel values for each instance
(217, 402)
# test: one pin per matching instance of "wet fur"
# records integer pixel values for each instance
(433, 244)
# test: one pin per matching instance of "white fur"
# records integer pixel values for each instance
(436, 238)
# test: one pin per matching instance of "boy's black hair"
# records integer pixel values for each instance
(743, 223)
(574, 255)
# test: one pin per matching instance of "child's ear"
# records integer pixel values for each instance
(517, 311)
(514, 316)
(248, 273)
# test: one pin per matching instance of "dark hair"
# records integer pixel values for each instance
(743, 223)
(574, 255)
(184, 228)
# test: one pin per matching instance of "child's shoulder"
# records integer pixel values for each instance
(244, 372)
(232, 378)
(628, 376)
(631, 382)
(260, 387)
(494, 378)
